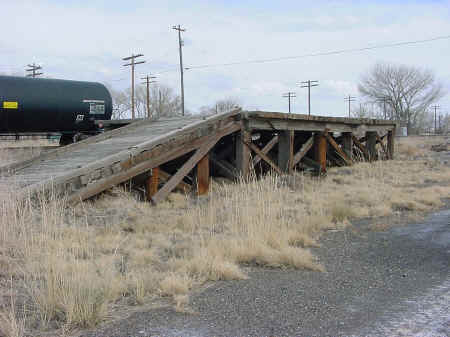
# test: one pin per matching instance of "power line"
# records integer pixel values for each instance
(327, 53)
(132, 64)
(308, 84)
(349, 99)
(33, 70)
(289, 95)
(180, 45)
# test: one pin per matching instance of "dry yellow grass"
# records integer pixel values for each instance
(73, 265)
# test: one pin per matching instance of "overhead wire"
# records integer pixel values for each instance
(327, 53)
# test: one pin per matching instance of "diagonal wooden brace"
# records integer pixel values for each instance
(303, 151)
(361, 147)
(338, 149)
(266, 149)
(263, 156)
(185, 169)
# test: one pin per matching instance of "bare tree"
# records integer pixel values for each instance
(408, 92)
(163, 102)
(221, 106)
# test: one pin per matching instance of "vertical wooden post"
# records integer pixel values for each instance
(391, 143)
(152, 183)
(347, 144)
(286, 150)
(243, 152)
(371, 143)
(320, 149)
(203, 175)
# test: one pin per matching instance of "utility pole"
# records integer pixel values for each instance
(132, 64)
(33, 70)
(435, 107)
(308, 84)
(384, 99)
(148, 80)
(289, 95)
(180, 45)
(349, 99)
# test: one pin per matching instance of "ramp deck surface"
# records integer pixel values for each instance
(78, 155)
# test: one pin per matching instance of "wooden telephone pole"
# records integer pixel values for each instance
(132, 64)
(289, 95)
(148, 80)
(308, 84)
(349, 99)
(33, 68)
(180, 45)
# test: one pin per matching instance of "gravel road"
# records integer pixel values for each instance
(392, 283)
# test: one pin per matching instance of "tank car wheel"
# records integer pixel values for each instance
(65, 140)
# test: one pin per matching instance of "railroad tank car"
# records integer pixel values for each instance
(51, 105)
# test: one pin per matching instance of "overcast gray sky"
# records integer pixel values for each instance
(85, 40)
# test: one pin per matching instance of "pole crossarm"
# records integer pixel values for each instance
(133, 63)
(308, 84)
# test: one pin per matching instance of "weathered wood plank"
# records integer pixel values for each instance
(185, 169)
(338, 149)
(383, 147)
(320, 143)
(371, 144)
(254, 148)
(152, 183)
(225, 168)
(156, 157)
(391, 143)
(182, 186)
(286, 151)
(243, 155)
(266, 149)
(347, 144)
(203, 176)
(360, 146)
(303, 150)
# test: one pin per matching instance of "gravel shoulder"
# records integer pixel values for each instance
(371, 279)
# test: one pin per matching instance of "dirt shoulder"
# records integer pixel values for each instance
(370, 275)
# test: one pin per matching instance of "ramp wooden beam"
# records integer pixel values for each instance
(360, 146)
(152, 183)
(313, 164)
(380, 141)
(371, 144)
(286, 150)
(203, 175)
(182, 186)
(338, 149)
(243, 155)
(347, 144)
(254, 148)
(320, 143)
(155, 157)
(265, 149)
(225, 168)
(183, 171)
(303, 150)
(391, 143)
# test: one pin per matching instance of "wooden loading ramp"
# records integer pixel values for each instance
(230, 144)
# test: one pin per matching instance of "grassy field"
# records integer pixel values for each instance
(63, 268)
